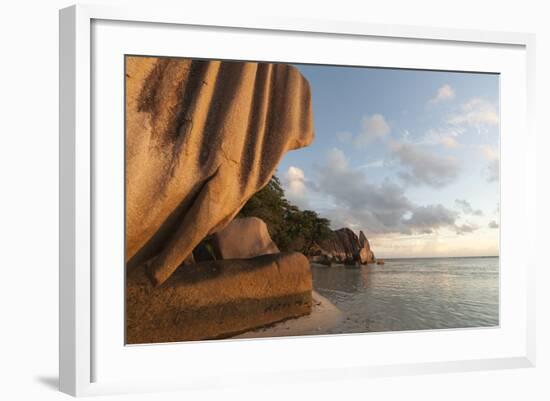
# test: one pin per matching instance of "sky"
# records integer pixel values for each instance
(409, 157)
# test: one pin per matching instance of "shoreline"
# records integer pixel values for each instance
(324, 316)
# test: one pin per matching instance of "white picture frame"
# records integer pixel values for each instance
(83, 325)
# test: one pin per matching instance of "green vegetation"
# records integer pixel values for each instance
(289, 227)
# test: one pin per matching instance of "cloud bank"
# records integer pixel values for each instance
(423, 168)
(378, 208)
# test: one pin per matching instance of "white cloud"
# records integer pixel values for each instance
(444, 93)
(476, 112)
(372, 128)
(296, 179)
(373, 164)
(449, 141)
(295, 189)
(493, 224)
(423, 168)
(489, 152)
(445, 137)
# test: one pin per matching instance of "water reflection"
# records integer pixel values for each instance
(340, 278)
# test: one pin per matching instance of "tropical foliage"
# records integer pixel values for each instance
(289, 227)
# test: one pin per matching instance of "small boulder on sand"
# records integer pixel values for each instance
(243, 238)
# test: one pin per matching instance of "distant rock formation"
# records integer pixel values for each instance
(344, 247)
(365, 255)
(217, 299)
(363, 240)
(201, 138)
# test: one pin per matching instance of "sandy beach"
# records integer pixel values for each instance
(324, 316)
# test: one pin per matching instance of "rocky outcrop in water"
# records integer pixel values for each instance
(201, 138)
(343, 247)
(365, 254)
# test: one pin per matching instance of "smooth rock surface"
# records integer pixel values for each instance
(365, 255)
(217, 299)
(243, 238)
(202, 137)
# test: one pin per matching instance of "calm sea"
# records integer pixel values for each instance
(413, 294)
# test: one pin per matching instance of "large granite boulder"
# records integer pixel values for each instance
(201, 138)
(243, 238)
(363, 241)
(217, 299)
(343, 247)
(365, 254)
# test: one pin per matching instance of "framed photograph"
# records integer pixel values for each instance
(270, 200)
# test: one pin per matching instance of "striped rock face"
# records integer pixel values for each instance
(217, 299)
(202, 137)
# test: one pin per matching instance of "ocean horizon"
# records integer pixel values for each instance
(438, 257)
